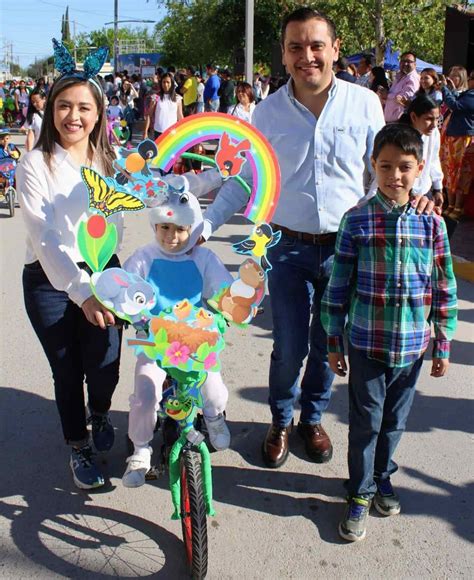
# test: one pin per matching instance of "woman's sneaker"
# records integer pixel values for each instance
(219, 434)
(103, 434)
(386, 501)
(84, 471)
(353, 526)
(138, 466)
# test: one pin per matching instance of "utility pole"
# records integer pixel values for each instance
(115, 36)
(74, 39)
(249, 16)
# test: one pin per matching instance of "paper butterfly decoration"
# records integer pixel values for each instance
(106, 195)
(65, 64)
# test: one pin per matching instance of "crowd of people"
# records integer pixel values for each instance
(357, 156)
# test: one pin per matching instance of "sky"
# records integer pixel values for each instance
(30, 24)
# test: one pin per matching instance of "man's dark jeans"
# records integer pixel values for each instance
(380, 399)
(75, 349)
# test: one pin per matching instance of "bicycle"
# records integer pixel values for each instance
(118, 131)
(185, 452)
(7, 171)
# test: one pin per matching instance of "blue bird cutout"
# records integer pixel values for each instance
(63, 60)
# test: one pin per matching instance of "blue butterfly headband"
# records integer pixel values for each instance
(65, 64)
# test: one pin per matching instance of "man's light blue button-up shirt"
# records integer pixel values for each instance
(324, 162)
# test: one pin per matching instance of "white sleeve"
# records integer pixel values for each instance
(56, 261)
(436, 173)
(198, 184)
(215, 275)
(375, 122)
(230, 199)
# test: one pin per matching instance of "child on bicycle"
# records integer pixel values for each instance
(392, 277)
(8, 150)
(178, 268)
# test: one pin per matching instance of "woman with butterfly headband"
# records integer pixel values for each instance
(76, 332)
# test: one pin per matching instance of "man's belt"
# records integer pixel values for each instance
(314, 239)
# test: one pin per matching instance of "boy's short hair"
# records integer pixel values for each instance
(402, 136)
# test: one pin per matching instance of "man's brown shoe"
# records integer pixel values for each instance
(317, 443)
(275, 445)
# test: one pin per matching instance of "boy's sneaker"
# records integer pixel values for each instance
(103, 434)
(138, 466)
(219, 434)
(386, 501)
(84, 471)
(352, 527)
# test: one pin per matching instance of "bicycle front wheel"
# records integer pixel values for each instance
(10, 197)
(193, 514)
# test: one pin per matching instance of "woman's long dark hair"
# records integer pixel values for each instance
(420, 105)
(103, 153)
(380, 80)
(172, 91)
(31, 108)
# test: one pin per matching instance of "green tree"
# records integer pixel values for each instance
(65, 28)
(197, 31)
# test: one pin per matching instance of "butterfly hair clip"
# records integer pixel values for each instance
(65, 64)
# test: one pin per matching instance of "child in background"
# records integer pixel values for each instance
(392, 277)
(34, 118)
(8, 150)
(114, 110)
(177, 269)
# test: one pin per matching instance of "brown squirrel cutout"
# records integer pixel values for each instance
(239, 302)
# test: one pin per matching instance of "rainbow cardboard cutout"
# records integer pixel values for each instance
(212, 126)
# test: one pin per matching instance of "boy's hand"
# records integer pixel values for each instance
(439, 367)
(337, 363)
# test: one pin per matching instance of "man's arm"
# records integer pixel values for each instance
(230, 199)
(375, 122)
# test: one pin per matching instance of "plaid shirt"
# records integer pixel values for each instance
(392, 277)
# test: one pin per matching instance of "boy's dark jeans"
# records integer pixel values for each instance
(380, 399)
(75, 349)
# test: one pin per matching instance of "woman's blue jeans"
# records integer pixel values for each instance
(76, 350)
(299, 275)
(380, 399)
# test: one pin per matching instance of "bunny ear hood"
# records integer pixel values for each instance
(181, 208)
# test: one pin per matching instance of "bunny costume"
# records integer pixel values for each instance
(194, 273)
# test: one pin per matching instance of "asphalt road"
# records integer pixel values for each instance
(269, 523)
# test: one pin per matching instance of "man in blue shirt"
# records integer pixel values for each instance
(322, 130)
(211, 89)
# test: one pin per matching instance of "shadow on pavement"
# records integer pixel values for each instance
(57, 526)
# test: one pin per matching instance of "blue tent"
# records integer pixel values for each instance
(392, 58)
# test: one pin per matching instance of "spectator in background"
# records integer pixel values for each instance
(190, 92)
(165, 110)
(200, 94)
(366, 64)
(341, 70)
(458, 76)
(377, 78)
(352, 70)
(458, 144)
(211, 89)
(246, 102)
(226, 92)
(406, 84)
(428, 84)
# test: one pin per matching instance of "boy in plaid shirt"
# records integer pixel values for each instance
(392, 277)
